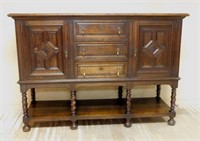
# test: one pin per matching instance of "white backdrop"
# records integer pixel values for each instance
(187, 92)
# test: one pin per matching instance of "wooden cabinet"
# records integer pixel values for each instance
(89, 50)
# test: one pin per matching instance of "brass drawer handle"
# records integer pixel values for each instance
(118, 50)
(117, 72)
(84, 73)
(119, 30)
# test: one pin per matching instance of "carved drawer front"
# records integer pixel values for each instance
(101, 30)
(101, 50)
(102, 70)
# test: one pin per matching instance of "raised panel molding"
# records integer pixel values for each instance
(155, 48)
(46, 50)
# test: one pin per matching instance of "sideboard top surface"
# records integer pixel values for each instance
(15, 15)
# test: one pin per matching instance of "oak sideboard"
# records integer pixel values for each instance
(90, 50)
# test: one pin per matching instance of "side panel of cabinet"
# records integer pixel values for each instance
(154, 47)
(47, 43)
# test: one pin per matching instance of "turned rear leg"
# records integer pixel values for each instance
(120, 92)
(158, 88)
(33, 95)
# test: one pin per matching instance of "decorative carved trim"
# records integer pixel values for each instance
(153, 48)
(47, 50)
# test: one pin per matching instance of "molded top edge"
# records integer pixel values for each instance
(13, 15)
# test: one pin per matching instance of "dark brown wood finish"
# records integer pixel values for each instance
(26, 126)
(128, 108)
(172, 111)
(90, 50)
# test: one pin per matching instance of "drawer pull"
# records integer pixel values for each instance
(66, 53)
(119, 30)
(118, 51)
(83, 52)
(84, 73)
(117, 72)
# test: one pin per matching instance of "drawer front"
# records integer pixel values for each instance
(100, 30)
(101, 50)
(89, 70)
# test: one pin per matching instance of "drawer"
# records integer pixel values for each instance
(101, 50)
(88, 70)
(101, 30)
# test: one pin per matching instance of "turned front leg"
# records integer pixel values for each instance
(128, 108)
(26, 126)
(158, 92)
(73, 110)
(33, 95)
(172, 111)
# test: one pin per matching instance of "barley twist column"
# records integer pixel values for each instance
(128, 108)
(26, 126)
(172, 111)
(33, 95)
(120, 91)
(73, 110)
(158, 92)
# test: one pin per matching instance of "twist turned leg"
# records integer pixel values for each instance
(33, 95)
(73, 110)
(158, 92)
(120, 91)
(128, 108)
(172, 111)
(26, 126)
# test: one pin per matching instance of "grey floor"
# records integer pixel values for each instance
(187, 128)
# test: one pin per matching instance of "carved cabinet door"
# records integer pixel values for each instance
(46, 49)
(154, 47)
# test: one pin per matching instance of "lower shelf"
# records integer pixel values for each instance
(97, 109)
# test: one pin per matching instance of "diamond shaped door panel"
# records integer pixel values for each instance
(46, 49)
(154, 49)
